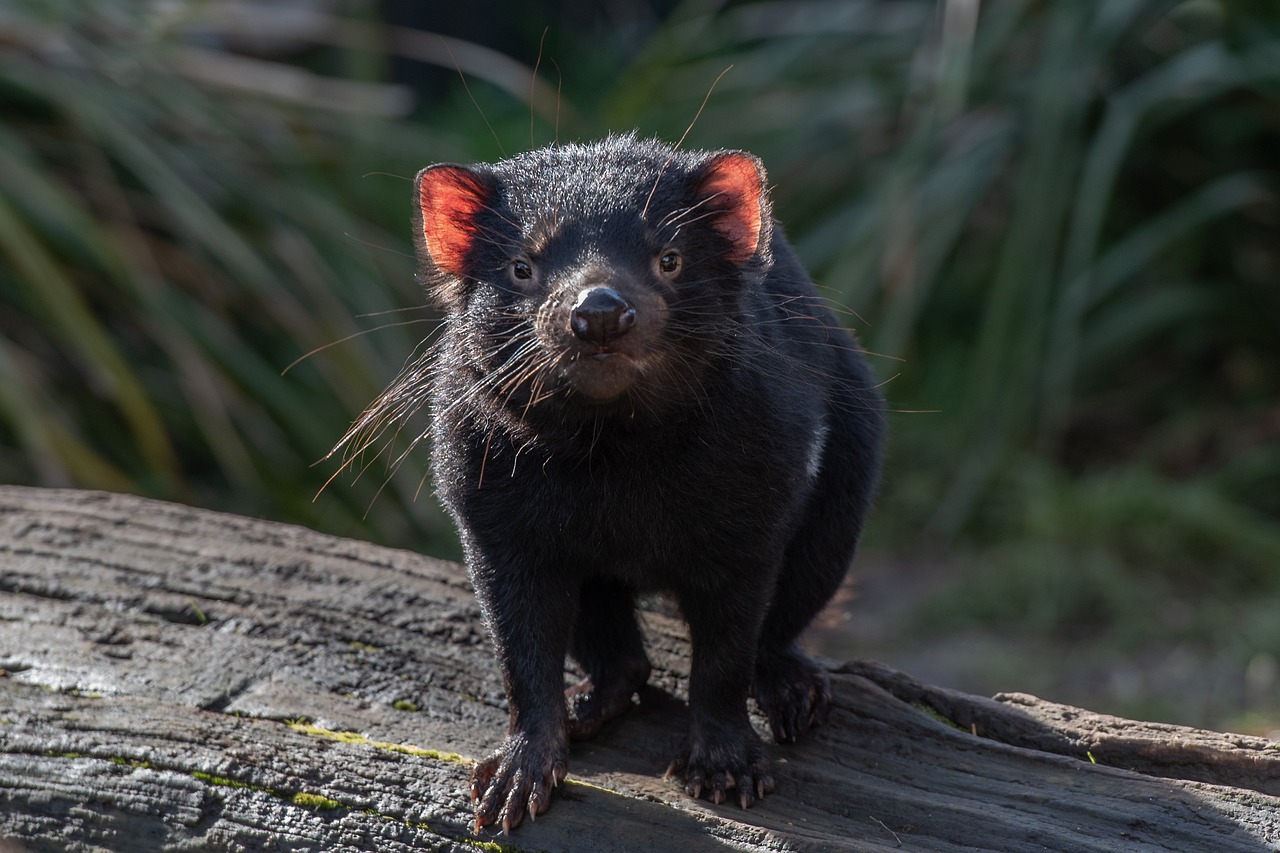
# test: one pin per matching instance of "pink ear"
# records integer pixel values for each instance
(734, 185)
(450, 197)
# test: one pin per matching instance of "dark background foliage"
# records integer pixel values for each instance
(1054, 223)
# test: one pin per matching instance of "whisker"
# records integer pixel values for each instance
(351, 337)
(644, 212)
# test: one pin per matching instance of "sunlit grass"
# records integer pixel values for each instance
(169, 249)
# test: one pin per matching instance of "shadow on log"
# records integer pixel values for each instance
(172, 678)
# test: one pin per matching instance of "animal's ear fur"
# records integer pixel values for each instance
(448, 201)
(733, 186)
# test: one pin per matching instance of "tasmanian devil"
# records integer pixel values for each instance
(638, 388)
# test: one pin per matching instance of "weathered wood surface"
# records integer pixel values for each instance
(157, 661)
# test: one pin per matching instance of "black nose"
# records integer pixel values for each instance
(600, 315)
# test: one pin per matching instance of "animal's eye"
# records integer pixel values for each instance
(521, 270)
(669, 262)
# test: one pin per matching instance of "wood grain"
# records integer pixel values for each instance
(175, 678)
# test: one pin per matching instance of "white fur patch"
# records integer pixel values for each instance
(817, 445)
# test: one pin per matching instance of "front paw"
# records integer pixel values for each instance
(732, 760)
(517, 779)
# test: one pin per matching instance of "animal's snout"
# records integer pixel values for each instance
(600, 315)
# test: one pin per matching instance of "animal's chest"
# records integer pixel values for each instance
(650, 513)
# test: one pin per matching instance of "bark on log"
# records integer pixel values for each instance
(177, 679)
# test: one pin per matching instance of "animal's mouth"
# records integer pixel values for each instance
(602, 375)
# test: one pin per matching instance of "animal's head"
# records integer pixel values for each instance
(608, 275)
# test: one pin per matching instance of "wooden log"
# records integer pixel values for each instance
(175, 678)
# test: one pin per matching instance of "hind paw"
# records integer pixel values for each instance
(793, 692)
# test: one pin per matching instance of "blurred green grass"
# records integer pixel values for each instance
(1056, 224)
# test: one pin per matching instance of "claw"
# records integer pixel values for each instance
(517, 779)
(725, 769)
(532, 806)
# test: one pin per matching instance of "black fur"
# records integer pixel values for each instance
(725, 449)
